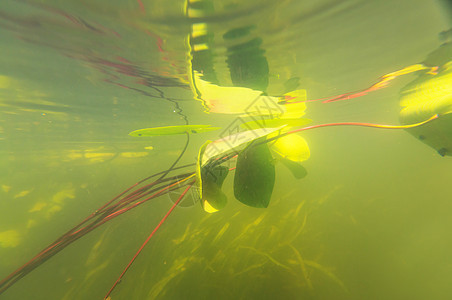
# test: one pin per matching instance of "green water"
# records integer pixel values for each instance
(371, 220)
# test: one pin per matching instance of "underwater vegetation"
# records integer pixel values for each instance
(253, 185)
(266, 249)
(273, 247)
(255, 152)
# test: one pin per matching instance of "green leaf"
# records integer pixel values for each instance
(198, 168)
(213, 198)
(233, 141)
(254, 175)
(292, 84)
(265, 123)
(216, 174)
(171, 130)
(293, 147)
(297, 170)
(209, 182)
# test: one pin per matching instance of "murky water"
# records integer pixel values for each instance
(371, 220)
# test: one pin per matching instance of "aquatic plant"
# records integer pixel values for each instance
(429, 94)
(254, 170)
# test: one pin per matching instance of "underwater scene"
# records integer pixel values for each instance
(206, 149)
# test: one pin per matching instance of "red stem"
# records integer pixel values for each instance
(78, 231)
(147, 240)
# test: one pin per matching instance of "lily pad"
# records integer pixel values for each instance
(254, 175)
(172, 130)
(233, 141)
(426, 96)
(265, 123)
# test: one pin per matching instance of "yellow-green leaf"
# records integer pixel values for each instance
(292, 147)
(233, 141)
(171, 130)
(209, 181)
(254, 175)
(265, 123)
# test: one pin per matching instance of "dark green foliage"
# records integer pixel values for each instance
(254, 175)
(215, 175)
(212, 180)
(292, 84)
(298, 171)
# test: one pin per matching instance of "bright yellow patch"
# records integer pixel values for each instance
(22, 194)
(6, 188)
(232, 100)
(10, 239)
(200, 47)
(295, 110)
(292, 147)
(37, 207)
(64, 194)
(427, 98)
(52, 210)
(198, 29)
(209, 208)
(134, 154)
(31, 223)
(99, 156)
(5, 82)
(73, 155)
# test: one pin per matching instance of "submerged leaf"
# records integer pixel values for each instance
(233, 141)
(209, 180)
(213, 198)
(198, 168)
(171, 130)
(291, 84)
(292, 147)
(297, 170)
(254, 175)
(426, 96)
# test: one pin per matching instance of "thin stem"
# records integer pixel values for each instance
(180, 156)
(77, 232)
(147, 240)
(380, 126)
(233, 153)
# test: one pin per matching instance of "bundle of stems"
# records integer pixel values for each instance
(137, 194)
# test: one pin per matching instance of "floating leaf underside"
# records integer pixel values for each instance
(209, 181)
(254, 176)
(265, 123)
(215, 174)
(172, 130)
(226, 100)
(295, 107)
(297, 170)
(293, 147)
(198, 168)
(213, 198)
(233, 141)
